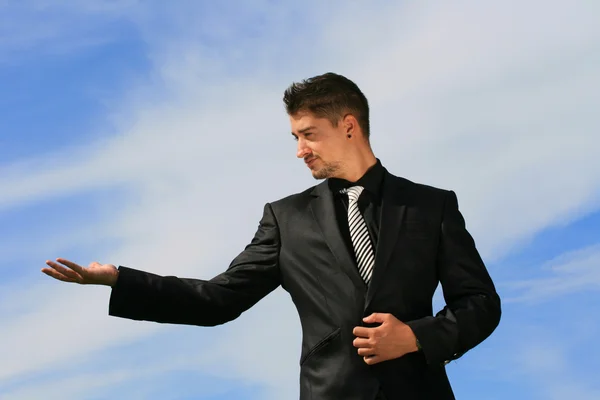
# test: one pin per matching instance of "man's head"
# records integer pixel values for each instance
(330, 119)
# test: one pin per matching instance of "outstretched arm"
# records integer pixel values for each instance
(140, 295)
(472, 310)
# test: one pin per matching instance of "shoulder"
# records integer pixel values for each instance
(424, 201)
(416, 188)
(295, 201)
(428, 198)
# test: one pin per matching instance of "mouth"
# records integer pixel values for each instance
(310, 161)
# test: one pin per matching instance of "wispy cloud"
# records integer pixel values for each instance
(545, 360)
(73, 384)
(571, 272)
(57, 27)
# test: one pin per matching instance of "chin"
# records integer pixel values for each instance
(321, 174)
(327, 170)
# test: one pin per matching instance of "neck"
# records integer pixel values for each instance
(357, 165)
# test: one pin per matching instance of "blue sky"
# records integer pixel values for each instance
(150, 136)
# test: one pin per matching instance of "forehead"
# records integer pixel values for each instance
(304, 119)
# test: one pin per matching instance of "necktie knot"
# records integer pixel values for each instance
(353, 193)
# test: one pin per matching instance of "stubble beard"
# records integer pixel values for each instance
(327, 171)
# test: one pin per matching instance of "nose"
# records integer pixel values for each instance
(303, 149)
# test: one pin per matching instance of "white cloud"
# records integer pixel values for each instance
(572, 272)
(57, 325)
(492, 102)
(89, 385)
(543, 352)
(544, 361)
(43, 27)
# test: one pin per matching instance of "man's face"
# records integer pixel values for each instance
(320, 144)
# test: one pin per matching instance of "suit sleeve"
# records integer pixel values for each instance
(252, 275)
(472, 310)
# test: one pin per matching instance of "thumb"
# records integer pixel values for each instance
(375, 317)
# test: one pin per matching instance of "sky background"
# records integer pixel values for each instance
(151, 136)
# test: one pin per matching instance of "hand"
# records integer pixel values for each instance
(392, 339)
(94, 274)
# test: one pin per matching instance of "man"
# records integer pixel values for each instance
(361, 255)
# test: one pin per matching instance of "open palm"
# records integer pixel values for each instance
(94, 274)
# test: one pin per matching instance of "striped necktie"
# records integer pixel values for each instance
(361, 241)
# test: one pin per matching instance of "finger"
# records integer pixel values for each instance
(65, 271)
(376, 317)
(56, 275)
(366, 352)
(75, 267)
(371, 360)
(362, 342)
(362, 331)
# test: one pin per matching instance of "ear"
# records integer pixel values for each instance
(350, 124)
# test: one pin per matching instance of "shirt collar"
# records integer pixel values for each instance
(371, 181)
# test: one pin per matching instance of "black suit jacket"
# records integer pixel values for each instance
(423, 241)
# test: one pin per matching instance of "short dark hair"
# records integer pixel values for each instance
(330, 96)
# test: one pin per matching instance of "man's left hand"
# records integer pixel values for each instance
(392, 339)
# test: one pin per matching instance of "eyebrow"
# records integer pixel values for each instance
(308, 128)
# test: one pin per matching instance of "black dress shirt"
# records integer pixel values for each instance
(369, 203)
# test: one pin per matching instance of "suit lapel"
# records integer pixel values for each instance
(323, 210)
(393, 210)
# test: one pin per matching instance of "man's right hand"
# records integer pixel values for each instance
(94, 274)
